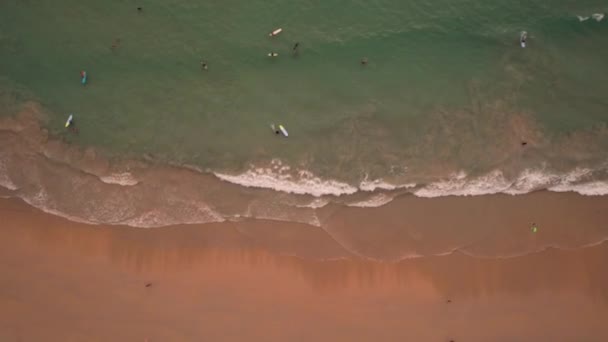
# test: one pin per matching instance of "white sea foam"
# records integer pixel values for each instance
(5, 180)
(379, 184)
(40, 200)
(528, 181)
(377, 200)
(597, 16)
(581, 18)
(459, 185)
(316, 203)
(161, 218)
(587, 189)
(124, 179)
(281, 178)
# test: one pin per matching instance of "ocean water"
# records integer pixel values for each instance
(448, 104)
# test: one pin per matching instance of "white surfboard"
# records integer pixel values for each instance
(69, 122)
(283, 130)
(275, 32)
(522, 39)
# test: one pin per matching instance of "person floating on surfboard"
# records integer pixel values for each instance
(272, 54)
(275, 32)
(70, 120)
(274, 129)
(522, 39)
(279, 129)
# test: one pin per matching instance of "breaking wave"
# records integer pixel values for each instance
(579, 180)
(281, 178)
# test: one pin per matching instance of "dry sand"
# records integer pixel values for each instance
(65, 281)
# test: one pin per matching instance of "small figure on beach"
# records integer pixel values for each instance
(364, 61)
(534, 228)
(203, 65)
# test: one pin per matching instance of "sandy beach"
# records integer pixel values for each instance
(266, 281)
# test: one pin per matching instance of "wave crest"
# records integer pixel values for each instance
(281, 178)
(578, 180)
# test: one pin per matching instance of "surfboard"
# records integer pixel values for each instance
(283, 130)
(69, 122)
(272, 54)
(275, 32)
(522, 39)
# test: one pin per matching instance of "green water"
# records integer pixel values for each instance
(456, 64)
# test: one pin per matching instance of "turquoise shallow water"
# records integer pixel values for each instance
(447, 91)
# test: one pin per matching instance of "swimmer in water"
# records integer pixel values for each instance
(115, 44)
(275, 129)
(272, 54)
(364, 61)
(203, 65)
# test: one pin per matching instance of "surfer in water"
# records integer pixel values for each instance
(364, 61)
(275, 129)
(296, 46)
(522, 39)
(203, 65)
(70, 124)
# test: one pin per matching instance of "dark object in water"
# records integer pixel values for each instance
(115, 44)
(364, 61)
(139, 9)
(524, 143)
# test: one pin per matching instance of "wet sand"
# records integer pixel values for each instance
(65, 281)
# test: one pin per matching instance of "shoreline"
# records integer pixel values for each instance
(84, 184)
(490, 226)
(76, 281)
